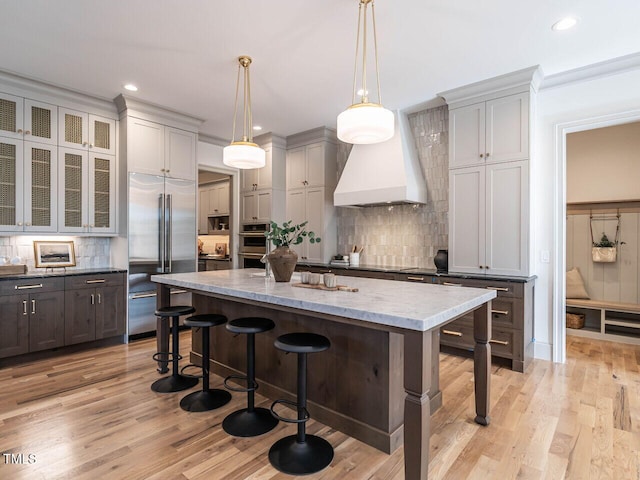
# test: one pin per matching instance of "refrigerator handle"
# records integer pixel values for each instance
(169, 230)
(162, 232)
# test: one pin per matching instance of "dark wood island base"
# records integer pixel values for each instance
(378, 383)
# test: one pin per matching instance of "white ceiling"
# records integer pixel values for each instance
(182, 53)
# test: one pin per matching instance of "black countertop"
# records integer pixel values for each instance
(414, 271)
(62, 273)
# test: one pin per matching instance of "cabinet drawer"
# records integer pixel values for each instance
(408, 277)
(502, 288)
(94, 281)
(32, 285)
(459, 333)
(507, 312)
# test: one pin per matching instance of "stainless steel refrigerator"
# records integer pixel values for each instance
(162, 239)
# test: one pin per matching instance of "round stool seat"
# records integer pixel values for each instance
(175, 310)
(250, 325)
(205, 320)
(302, 343)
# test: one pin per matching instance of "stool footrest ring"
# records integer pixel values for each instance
(251, 388)
(190, 375)
(289, 420)
(167, 357)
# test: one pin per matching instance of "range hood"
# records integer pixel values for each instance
(383, 173)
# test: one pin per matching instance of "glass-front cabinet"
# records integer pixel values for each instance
(87, 183)
(28, 186)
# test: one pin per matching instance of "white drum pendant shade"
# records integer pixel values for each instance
(365, 123)
(243, 155)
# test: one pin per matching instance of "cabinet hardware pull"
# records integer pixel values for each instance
(481, 155)
(500, 312)
(27, 287)
(28, 224)
(419, 279)
(19, 224)
(84, 144)
(487, 267)
(19, 130)
(481, 267)
(176, 292)
(167, 170)
(99, 299)
(33, 307)
(93, 299)
(451, 332)
(28, 132)
(499, 342)
(487, 154)
(24, 307)
(101, 280)
(91, 145)
(499, 289)
(452, 284)
(144, 295)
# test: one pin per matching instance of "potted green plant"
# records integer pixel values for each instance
(604, 251)
(282, 258)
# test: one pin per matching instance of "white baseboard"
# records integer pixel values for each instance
(543, 351)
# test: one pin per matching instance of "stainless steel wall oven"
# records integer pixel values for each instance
(253, 244)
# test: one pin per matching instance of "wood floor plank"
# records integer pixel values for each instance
(92, 414)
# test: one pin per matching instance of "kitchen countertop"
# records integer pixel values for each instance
(61, 273)
(412, 306)
(413, 270)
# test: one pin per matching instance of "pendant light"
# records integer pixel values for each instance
(243, 154)
(365, 122)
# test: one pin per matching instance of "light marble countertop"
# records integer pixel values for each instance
(413, 306)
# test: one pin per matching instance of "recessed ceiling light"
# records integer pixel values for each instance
(131, 87)
(257, 128)
(564, 24)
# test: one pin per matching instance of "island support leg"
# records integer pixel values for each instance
(163, 299)
(482, 361)
(417, 383)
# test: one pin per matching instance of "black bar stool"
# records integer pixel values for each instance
(206, 399)
(175, 382)
(250, 421)
(300, 454)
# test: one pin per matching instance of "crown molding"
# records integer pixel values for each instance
(130, 106)
(519, 81)
(320, 134)
(613, 66)
(272, 140)
(19, 85)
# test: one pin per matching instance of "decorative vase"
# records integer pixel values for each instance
(283, 262)
(441, 260)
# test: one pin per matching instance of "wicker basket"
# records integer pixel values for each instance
(575, 320)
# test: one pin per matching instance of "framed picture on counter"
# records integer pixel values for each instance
(49, 254)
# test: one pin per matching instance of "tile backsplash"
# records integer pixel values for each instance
(405, 235)
(91, 252)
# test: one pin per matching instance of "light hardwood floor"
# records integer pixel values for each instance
(92, 415)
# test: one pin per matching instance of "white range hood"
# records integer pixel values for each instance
(383, 173)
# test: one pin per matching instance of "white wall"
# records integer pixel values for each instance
(603, 165)
(577, 106)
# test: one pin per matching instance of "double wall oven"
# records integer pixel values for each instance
(253, 245)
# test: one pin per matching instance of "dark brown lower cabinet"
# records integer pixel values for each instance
(94, 307)
(46, 320)
(41, 313)
(31, 315)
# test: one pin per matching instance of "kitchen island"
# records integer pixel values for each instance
(379, 378)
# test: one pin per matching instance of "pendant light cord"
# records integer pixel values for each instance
(355, 63)
(247, 105)
(235, 107)
(375, 50)
(362, 20)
